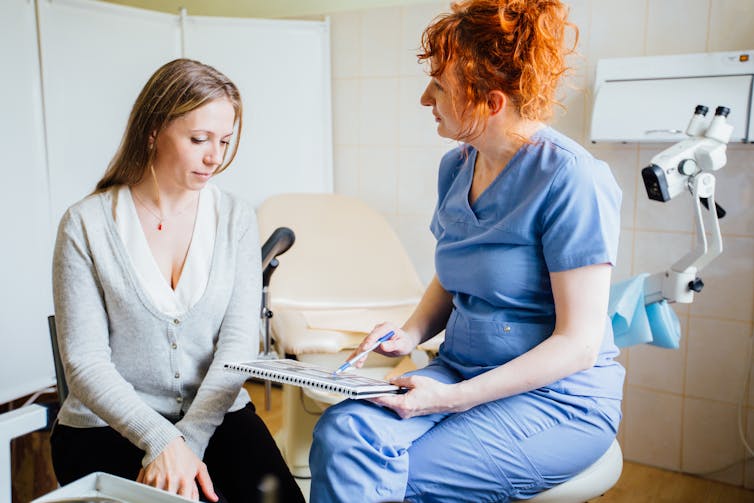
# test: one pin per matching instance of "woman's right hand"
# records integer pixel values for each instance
(400, 344)
(178, 470)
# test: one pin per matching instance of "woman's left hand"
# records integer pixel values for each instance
(425, 396)
(178, 470)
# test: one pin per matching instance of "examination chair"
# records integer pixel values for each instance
(346, 272)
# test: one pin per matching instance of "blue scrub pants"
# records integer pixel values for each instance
(499, 451)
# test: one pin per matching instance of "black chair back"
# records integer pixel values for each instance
(59, 374)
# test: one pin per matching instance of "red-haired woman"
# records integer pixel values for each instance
(525, 392)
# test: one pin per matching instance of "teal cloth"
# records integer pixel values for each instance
(637, 323)
(666, 329)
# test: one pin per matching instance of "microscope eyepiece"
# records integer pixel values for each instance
(724, 111)
(701, 110)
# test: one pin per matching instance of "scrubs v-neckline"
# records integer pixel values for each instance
(477, 205)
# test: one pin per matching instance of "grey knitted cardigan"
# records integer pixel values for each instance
(149, 376)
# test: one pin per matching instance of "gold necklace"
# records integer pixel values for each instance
(160, 218)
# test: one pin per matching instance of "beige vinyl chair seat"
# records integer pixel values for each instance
(346, 272)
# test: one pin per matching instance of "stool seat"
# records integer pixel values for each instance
(591, 483)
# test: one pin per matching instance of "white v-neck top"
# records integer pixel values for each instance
(193, 280)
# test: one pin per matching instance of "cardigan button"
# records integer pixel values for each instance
(176, 321)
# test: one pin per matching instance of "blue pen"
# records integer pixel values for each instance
(364, 353)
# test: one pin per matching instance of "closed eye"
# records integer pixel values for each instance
(198, 140)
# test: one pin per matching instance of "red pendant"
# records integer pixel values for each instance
(159, 226)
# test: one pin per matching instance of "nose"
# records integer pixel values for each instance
(215, 154)
(426, 97)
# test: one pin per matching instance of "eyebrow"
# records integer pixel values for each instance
(211, 132)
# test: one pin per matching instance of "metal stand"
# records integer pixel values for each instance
(278, 243)
(266, 314)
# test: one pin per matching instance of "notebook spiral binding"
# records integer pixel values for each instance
(267, 375)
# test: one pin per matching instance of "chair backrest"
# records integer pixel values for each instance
(59, 374)
(345, 254)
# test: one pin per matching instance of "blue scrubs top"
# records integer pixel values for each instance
(554, 207)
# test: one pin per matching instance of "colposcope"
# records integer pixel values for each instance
(689, 167)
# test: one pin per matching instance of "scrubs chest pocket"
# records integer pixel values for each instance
(492, 343)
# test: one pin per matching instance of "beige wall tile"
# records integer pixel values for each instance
(616, 29)
(677, 26)
(589, 72)
(657, 251)
(415, 18)
(658, 368)
(624, 163)
(749, 467)
(416, 124)
(380, 42)
(378, 178)
(570, 120)
(728, 282)
(623, 269)
(346, 161)
(417, 180)
(749, 399)
(345, 45)
(750, 395)
(378, 112)
(710, 440)
(346, 108)
(730, 25)
(717, 366)
(580, 15)
(652, 428)
(420, 244)
(735, 191)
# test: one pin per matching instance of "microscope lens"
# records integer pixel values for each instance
(701, 110)
(724, 111)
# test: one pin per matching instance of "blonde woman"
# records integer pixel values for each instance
(156, 280)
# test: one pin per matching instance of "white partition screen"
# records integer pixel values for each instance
(96, 57)
(25, 300)
(66, 106)
(282, 69)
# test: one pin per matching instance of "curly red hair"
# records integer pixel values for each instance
(515, 46)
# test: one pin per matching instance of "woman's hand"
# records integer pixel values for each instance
(400, 344)
(425, 396)
(177, 470)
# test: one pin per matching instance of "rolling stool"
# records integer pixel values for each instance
(591, 483)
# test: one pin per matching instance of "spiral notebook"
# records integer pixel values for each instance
(311, 376)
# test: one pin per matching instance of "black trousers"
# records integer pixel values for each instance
(239, 455)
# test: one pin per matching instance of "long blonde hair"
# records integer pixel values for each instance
(175, 89)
